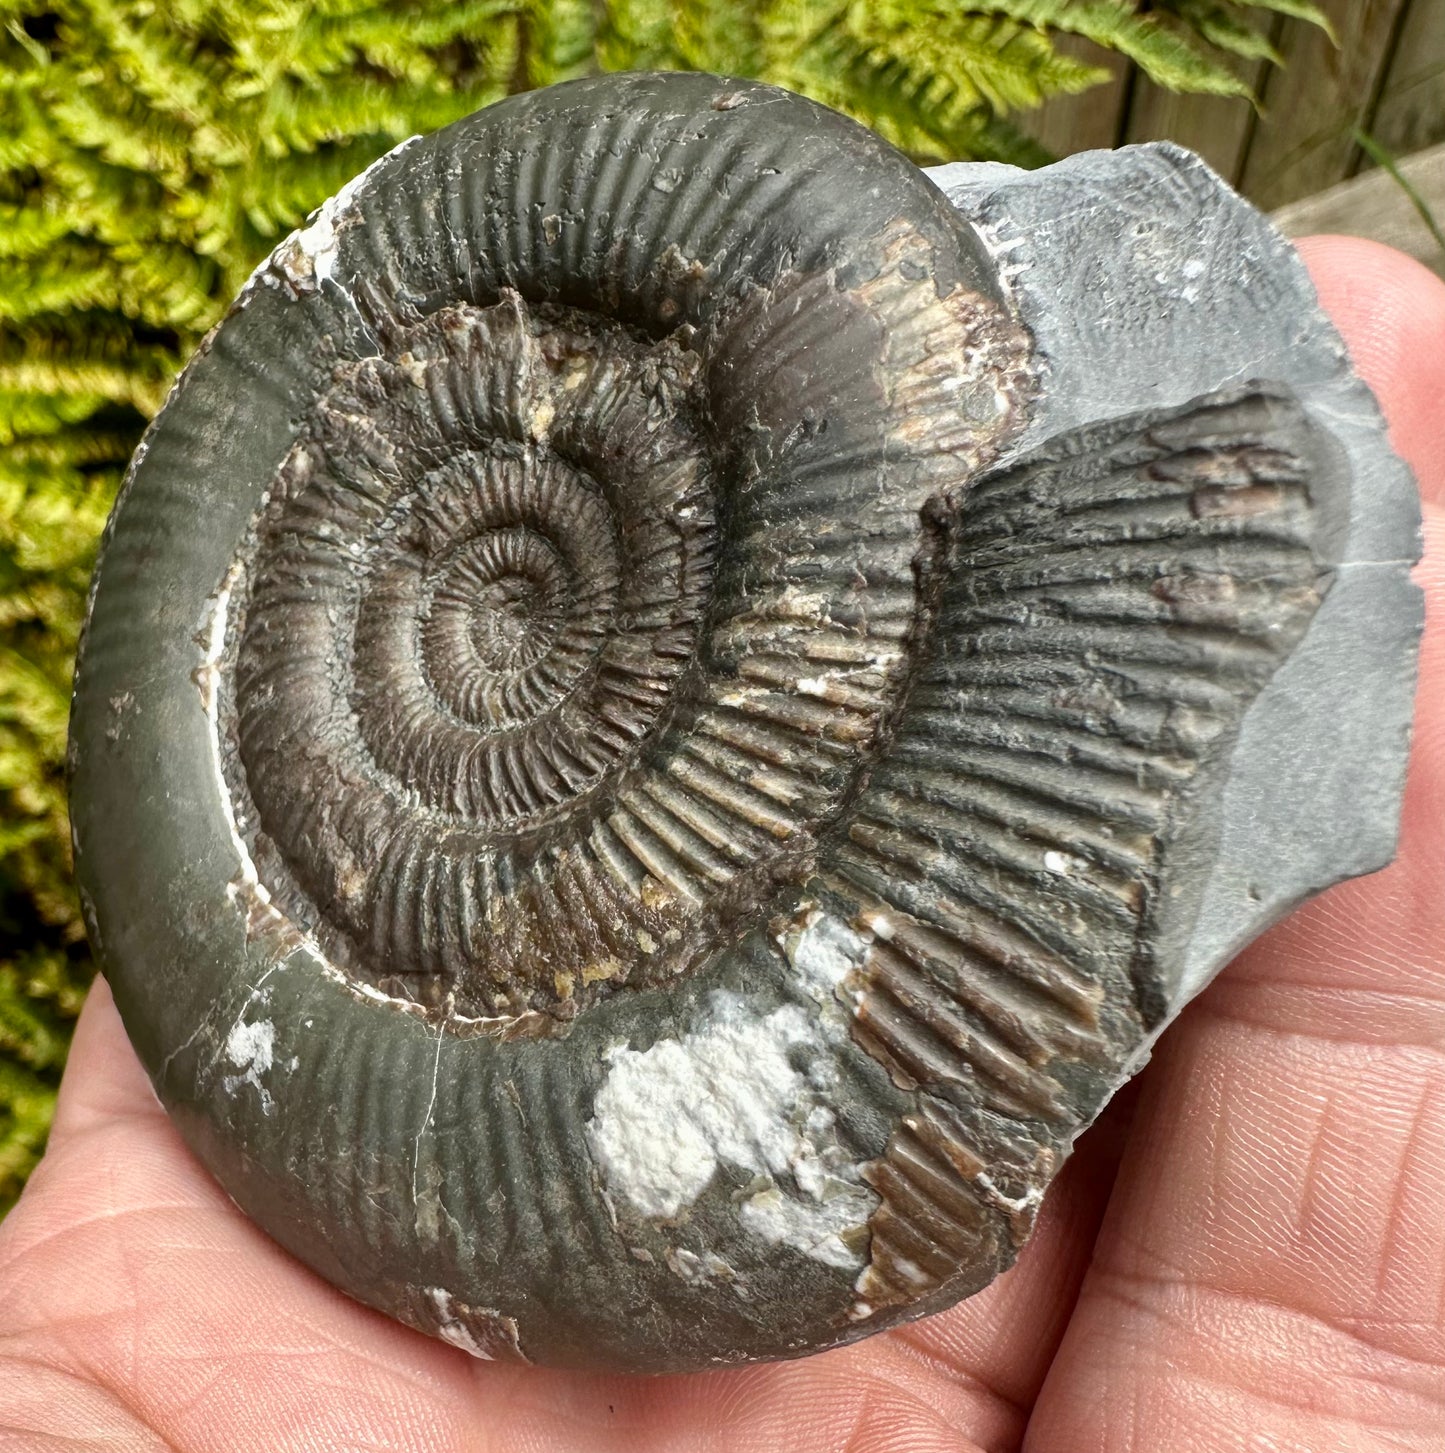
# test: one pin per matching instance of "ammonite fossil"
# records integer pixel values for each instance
(672, 702)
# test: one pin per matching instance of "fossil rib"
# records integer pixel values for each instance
(633, 804)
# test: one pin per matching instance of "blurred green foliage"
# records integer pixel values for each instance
(151, 151)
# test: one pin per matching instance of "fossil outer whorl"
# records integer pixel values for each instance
(656, 839)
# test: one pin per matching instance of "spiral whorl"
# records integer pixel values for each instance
(576, 609)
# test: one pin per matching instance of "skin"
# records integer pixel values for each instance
(1246, 1253)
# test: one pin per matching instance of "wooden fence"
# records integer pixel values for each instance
(1386, 76)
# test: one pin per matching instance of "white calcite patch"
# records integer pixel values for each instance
(481, 1331)
(1063, 863)
(693, 1268)
(731, 1093)
(666, 1116)
(251, 1048)
(822, 951)
(450, 1328)
(834, 1205)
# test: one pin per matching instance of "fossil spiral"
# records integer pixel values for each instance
(661, 817)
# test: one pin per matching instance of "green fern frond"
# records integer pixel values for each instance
(165, 67)
(1164, 55)
(28, 1033)
(152, 284)
(561, 40)
(28, 689)
(1222, 26)
(27, 1105)
(1305, 10)
(722, 36)
(26, 412)
(92, 359)
(108, 120)
(639, 35)
(27, 232)
(973, 61)
(62, 452)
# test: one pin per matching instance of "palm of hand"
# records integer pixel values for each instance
(1253, 1260)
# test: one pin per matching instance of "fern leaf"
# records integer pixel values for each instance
(562, 36)
(27, 232)
(718, 35)
(27, 1104)
(1223, 27)
(1162, 54)
(27, 1034)
(999, 63)
(156, 62)
(1305, 10)
(638, 35)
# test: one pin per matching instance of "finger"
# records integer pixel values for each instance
(1271, 1270)
(104, 1081)
(1392, 309)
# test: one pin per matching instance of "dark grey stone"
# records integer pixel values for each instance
(1145, 279)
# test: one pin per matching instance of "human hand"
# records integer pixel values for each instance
(1246, 1253)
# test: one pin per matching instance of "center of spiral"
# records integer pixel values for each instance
(509, 561)
(518, 602)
